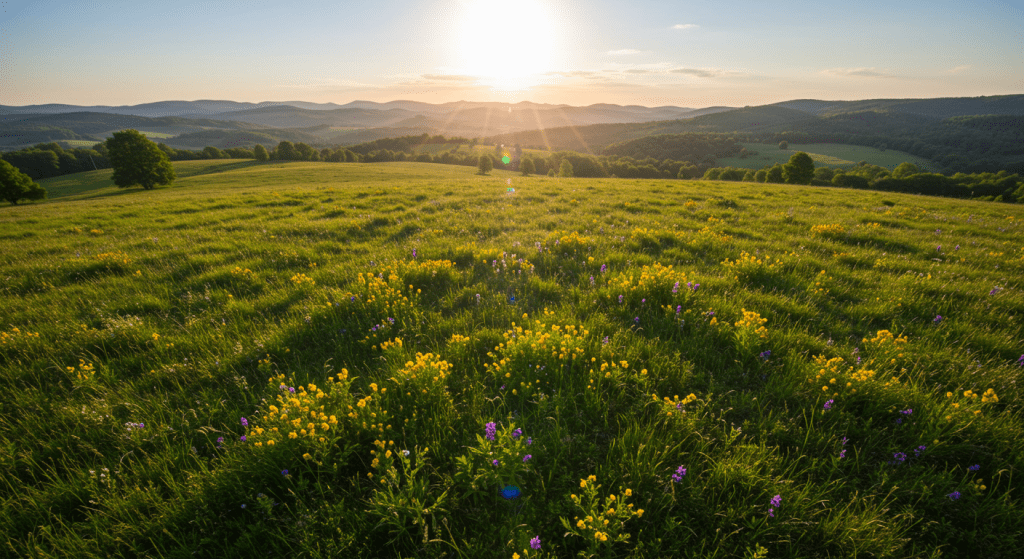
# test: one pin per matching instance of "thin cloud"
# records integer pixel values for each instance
(638, 71)
(958, 69)
(623, 52)
(857, 72)
(683, 26)
(700, 73)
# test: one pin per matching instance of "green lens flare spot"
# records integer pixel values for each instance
(506, 159)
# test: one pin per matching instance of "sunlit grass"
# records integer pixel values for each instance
(852, 353)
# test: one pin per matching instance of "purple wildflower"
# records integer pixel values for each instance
(284, 473)
(975, 468)
(939, 248)
(679, 308)
(995, 290)
(1020, 362)
(765, 354)
(620, 299)
(495, 462)
(245, 422)
(636, 320)
(490, 430)
(529, 441)
(414, 253)
(675, 289)
(842, 454)
(828, 405)
(527, 457)
(937, 319)
(907, 411)
(242, 438)
(591, 281)
(695, 287)
(954, 495)
(220, 440)
(919, 450)
(604, 268)
(535, 542)
(605, 341)
(957, 247)
(291, 389)
(777, 501)
(517, 433)
(899, 458)
(678, 476)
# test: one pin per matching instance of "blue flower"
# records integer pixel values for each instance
(954, 495)
(974, 468)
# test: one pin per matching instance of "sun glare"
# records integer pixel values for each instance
(507, 45)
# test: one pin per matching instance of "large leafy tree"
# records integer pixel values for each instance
(15, 185)
(138, 161)
(485, 164)
(774, 174)
(800, 169)
(286, 151)
(565, 169)
(526, 166)
(261, 153)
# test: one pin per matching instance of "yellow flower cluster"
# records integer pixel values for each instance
(458, 338)
(674, 406)
(753, 321)
(655, 283)
(245, 274)
(831, 230)
(886, 350)
(383, 293)
(384, 346)
(525, 352)
(820, 287)
(15, 334)
(308, 414)
(85, 371)
(601, 521)
(568, 243)
(303, 280)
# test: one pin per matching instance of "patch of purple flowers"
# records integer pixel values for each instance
(527, 457)
(828, 405)
(245, 422)
(489, 430)
(937, 319)
(517, 433)
(495, 462)
(765, 354)
(675, 289)
(535, 542)
(678, 476)
(974, 468)
(620, 299)
(776, 503)
(954, 495)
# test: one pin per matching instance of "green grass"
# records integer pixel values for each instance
(186, 308)
(824, 155)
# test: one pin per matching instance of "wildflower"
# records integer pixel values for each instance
(974, 468)
(828, 405)
(937, 319)
(242, 438)
(591, 281)
(957, 247)
(995, 290)
(414, 253)
(478, 298)
(517, 433)
(939, 248)
(605, 341)
(243, 505)
(899, 458)
(220, 441)
(245, 422)
(1020, 362)
(284, 473)
(405, 453)
(510, 492)
(604, 268)
(842, 454)
(907, 411)
(490, 430)
(620, 299)
(954, 495)
(527, 457)
(636, 320)
(675, 289)
(529, 441)
(765, 354)
(678, 308)
(678, 476)
(494, 462)
(919, 450)
(535, 542)
(777, 501)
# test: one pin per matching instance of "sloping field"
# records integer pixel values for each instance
(410, 360)
(824, 155)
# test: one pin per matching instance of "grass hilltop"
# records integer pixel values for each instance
(405, 359)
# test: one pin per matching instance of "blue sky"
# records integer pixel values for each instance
(644, 52)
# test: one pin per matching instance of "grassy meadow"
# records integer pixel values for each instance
(410, 360)
(824, 155)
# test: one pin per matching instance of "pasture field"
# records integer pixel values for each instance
(824, 155)
(408, 360)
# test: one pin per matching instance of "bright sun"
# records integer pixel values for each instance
(507, 44)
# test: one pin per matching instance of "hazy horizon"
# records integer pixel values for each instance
(649, 53)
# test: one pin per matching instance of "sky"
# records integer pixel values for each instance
(575, 52)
